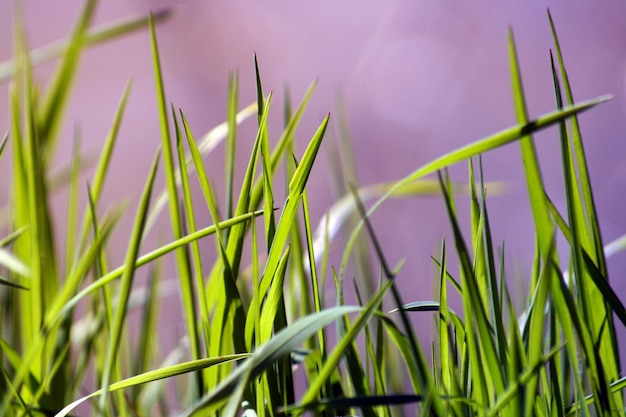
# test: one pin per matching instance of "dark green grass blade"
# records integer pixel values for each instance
(126, 283)
(365, 403)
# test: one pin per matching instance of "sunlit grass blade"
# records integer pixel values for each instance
(102, 167)
(223, 288)
(155, 375)
(126, 283)
(296, 188)
(231, 140)
(206, 144)
(182, 258)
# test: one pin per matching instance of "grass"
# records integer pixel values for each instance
(250, 320)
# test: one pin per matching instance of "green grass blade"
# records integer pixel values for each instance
(126, 283)
(102, 167)
(182, 258)
(231, 141)
(157, 374)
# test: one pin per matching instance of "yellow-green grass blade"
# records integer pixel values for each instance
(37, 248)
(126, 283)
(182, 259)
(206, 144)
(296, 188)
(102, 167)
(54, 102)
(231, 140)
(278, 347)
(543, 226)
(260, 97)
(272, 319)
(316, 288)
(190, 224)
(155, 375)
(268, 191)
(228, 316)
(37, 345)
(236, 236)
(284, 143)
(72, 207)
(92, 37)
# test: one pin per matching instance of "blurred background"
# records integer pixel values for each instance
(417, 79)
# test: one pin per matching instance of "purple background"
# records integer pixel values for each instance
(418, 79)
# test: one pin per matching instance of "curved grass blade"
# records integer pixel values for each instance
(157, 374)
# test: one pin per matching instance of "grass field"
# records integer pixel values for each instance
(259, 319)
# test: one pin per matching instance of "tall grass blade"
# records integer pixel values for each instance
(126, 283)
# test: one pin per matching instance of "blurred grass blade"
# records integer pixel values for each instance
(93, 37)
(55, 100)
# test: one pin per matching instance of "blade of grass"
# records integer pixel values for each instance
(126, 283)
(182, 258)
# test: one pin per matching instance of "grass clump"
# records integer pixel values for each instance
(248, 321)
